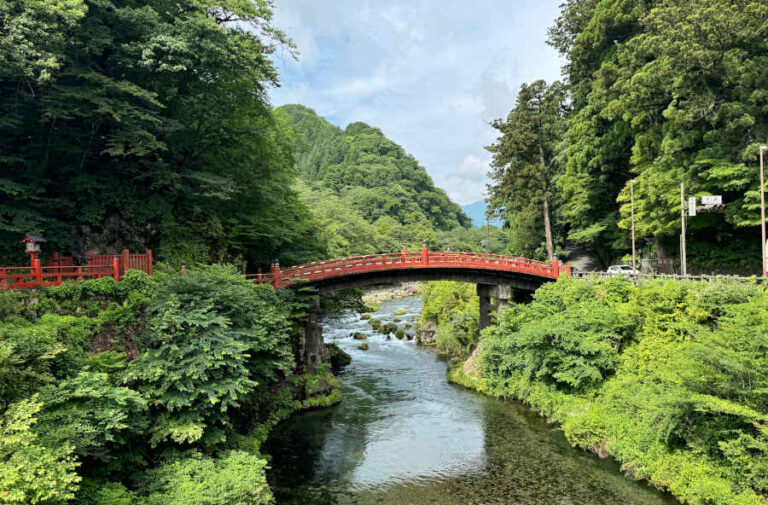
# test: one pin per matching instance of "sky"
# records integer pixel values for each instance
(431, 74)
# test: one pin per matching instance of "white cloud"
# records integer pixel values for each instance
(431, 74)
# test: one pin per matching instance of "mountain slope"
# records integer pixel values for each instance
(370, 173)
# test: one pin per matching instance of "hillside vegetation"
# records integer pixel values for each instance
(368, 195)
(661, 91)
(667, 377)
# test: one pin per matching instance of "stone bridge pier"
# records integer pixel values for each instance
(494, 297)
(311, 348)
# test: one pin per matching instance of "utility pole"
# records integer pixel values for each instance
(762, 209)
(683, 261)
(632, 200)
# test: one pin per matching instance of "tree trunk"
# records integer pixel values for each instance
(545, 205)
(548, 230)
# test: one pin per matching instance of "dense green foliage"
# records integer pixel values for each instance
(151, 390)
(665, 92)
(453, 309)
(668, 377)
(145, 124)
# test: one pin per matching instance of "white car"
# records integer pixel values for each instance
(622, 270)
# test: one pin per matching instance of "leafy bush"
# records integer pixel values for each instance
(668, 377)
(90, 413)
(31, 473)
(212, 336)
(233, 478)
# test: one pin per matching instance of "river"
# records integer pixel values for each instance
(402, 435)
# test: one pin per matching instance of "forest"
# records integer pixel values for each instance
(661, 92)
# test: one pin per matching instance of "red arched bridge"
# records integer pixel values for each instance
(336, 274)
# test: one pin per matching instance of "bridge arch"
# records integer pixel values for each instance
(499, 279)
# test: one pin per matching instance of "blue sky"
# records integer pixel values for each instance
(431, 74)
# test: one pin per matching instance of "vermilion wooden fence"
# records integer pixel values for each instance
(423, 259)
(59, 269)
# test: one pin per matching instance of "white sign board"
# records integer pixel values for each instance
(712, 200)
(692, 206)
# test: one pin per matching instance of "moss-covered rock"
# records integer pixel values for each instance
(388, 328)
(400, 312)
(359, 336)
(339, 359)
(399, 334)
(366, 317)
(397, 320)
(375, 324)
(363, 346)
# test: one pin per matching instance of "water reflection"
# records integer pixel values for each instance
(402, 435)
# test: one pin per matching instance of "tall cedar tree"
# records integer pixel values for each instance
(524, 169)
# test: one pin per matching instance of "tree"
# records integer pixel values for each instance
(158, 135)
(524, 168)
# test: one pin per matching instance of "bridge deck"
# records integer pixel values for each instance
(356, 265)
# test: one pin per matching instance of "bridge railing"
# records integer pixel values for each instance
(404, 260)
(98, 266)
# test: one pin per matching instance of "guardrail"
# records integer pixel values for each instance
(676, 277)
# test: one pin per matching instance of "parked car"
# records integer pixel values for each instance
(622, 270)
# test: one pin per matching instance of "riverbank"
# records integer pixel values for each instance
(376, 295)
(666, 377)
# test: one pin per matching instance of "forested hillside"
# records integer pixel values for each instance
(368, 195)
(661, 91)
(146, 125)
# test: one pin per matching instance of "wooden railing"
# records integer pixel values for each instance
(53, 274)
(424, 259)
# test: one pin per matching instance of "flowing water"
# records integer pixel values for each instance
(403, 436)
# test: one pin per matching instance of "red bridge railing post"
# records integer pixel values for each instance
(116, 268)
(276, 275)
(556, 268)
(149, 261)
(424, 255)
(37, 271)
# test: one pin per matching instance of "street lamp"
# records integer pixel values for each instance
(632, 205)
(762, 207)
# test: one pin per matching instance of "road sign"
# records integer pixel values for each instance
(692, 206)
(712, 200)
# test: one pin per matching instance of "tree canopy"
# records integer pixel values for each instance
(664, 92)
(129, 124)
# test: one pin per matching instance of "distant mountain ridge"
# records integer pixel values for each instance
(476, 212)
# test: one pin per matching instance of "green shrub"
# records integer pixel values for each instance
(233, 478)
(668, 377)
